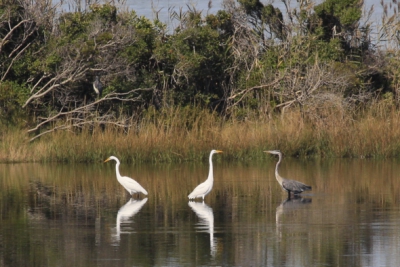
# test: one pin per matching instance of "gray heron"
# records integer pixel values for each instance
(128, 183)
(204, 188)
(290, 186)
(98, 86)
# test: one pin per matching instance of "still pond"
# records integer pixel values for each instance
(79, 215)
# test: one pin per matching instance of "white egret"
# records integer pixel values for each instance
(204, 188)
(128, 183)
(291, 186)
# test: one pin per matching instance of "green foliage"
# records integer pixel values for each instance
(348, 12)
(107, 12)
(73, 26)
(273, 17)
(204, 62)
(11, 99)
(252, 7)
(340, 16)
(196, 53)
(17, 34)
(222, 22)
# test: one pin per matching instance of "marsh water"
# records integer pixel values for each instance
(78, 215)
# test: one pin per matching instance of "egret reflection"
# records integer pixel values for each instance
(206, 223)
(125, 214)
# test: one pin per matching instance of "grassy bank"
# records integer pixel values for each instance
(184, 135)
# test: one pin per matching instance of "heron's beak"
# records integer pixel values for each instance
(106, 160)
(268, 151)
(219, 151)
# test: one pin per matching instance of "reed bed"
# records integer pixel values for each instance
(183, 134)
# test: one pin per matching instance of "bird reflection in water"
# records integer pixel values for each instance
(291, 209)
(124, 216)
(206, 223)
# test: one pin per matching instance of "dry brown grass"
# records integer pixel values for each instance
(189, 134)
(14, 146)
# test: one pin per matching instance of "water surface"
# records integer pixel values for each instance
(78, 215)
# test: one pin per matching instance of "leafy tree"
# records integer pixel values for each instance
(194, 58)
(340, 18)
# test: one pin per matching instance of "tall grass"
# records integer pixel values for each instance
(185, 134)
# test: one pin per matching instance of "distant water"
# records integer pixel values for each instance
(149, 8)
(145, 7)
(163, 9)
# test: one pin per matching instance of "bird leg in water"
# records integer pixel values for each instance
(133, 195)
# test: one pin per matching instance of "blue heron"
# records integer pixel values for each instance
(291, 186)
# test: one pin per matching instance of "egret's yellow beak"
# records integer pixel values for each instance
(106, 160)
(219, 151)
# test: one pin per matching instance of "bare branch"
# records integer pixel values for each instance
(87, 114)
(10, 33)
(12, 62)
(244, 92)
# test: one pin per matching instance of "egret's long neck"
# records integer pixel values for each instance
(210, 173)
(117, 169)
(277, 176)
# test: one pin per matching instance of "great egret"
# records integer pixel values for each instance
(128, 183)
(291, 186)
(204, 188)
(97, 86)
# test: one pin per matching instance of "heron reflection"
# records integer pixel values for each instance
(289, 208)
(206, 223)
(290, 205)
(125, 214)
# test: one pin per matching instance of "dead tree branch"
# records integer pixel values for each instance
(87, 114)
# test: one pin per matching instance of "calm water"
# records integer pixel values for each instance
(78, 215)
(150, 8)
(162, 8)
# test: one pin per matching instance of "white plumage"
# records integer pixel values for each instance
(204, 188)
(128, 183)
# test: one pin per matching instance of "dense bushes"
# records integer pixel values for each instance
(248, 60)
